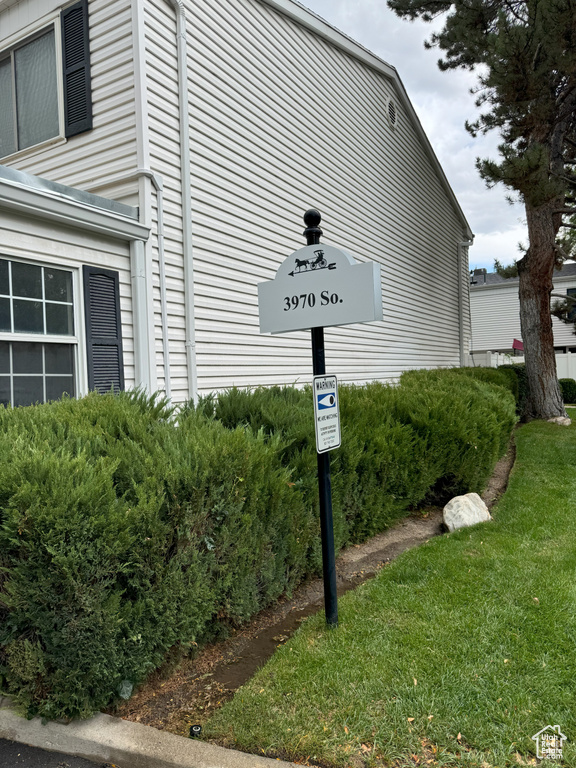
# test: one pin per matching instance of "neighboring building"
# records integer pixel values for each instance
(495, 309)
(201, 133)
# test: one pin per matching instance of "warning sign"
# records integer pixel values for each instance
(326, 413)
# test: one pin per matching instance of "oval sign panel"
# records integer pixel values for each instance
(319, 286)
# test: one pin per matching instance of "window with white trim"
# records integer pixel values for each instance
(38, 342)
(571, 305)
(32, 110)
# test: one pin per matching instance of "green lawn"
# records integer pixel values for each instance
(455, 655)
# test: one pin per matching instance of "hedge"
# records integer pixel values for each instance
(518, 370)
(568, 388)
(127, 534)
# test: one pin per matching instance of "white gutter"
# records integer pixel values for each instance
(189, 309)
(42, 204)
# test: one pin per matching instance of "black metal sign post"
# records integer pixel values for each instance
(317, 287)
(312, 233)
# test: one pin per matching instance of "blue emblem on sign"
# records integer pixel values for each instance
(326, 400)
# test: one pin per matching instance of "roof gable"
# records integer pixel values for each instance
(307, 18)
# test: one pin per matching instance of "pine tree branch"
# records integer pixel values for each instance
(563, 296)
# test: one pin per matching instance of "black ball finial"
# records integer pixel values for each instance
(312, 233)
(312, 218)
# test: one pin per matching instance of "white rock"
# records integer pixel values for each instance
(463, 511)
(564, 421)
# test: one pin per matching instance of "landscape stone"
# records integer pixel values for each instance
(463, 511)
(564, 421)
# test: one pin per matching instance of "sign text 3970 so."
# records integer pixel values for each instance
(309, 300)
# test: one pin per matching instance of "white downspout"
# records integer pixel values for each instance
(462, 250)
(159, 187)
(141, 262)
(189, 309)
(138, 264)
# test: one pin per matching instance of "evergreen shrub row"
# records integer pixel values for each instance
(127, 534)
(518, 371)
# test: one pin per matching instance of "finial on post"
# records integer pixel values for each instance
(312, 233)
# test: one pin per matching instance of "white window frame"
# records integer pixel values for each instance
(77, 340)
(8, 53)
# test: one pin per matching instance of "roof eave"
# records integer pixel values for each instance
(29, 195)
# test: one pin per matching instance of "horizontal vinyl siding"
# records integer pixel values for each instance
(282, 121)
(496, 318)
(33, 240)
(86, 161)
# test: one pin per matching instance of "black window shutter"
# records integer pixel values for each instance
(103, 329)
(76, 69)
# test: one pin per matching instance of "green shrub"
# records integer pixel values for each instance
(465, 423)
(519, 371)
(122, 536)
(501, 377)
(125, 533)
(568, 388)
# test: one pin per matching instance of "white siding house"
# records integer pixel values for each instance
(214, 126)
(495, 309)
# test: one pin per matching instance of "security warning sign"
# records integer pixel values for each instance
(326, 413)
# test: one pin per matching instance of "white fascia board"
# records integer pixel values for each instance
(316, 24)
(516, 284)
(494, 287)
(38, 203)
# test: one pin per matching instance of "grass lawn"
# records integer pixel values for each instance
(455, 655)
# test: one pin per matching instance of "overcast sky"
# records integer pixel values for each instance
(443, 103)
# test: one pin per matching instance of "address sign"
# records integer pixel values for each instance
(320, 286)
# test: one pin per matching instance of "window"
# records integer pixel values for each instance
(29, 98)
(40, 347)
(571, 305)
(37, 335)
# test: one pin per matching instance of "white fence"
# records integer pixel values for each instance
(565, 362)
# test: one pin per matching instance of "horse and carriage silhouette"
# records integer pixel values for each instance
(309, 265)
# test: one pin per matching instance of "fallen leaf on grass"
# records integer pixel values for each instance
(410, 719)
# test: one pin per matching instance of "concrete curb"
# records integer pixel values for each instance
(129, 745)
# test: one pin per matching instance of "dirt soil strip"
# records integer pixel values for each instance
(175, 700)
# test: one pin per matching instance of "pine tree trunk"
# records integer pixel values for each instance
(536, 271)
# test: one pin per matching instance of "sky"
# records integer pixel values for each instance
(443, 103)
